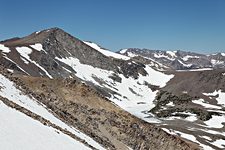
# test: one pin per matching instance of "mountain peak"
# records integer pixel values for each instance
(36, 37)
(50, 30)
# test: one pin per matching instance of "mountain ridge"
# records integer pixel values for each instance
(179, 60)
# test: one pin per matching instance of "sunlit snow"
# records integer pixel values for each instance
(18, 131)
(123, 51)
(38, 47)
(4, 48)
(204, 104)
(215, 121)
(187, 57)
(220, 96)
(106, 52)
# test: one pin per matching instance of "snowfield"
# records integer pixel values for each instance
(155, 77)
(220, 96)
(21, 132)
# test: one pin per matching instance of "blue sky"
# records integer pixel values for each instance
(193, 25)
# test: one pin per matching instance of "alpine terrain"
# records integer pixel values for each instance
(59, 92)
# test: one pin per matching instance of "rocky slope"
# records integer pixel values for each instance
(86, 86)
(82, 108)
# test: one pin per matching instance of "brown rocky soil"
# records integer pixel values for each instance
(85, 109)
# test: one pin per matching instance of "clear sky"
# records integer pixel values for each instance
(193, 25)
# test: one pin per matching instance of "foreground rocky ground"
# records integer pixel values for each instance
(81, 107)
(85, 109)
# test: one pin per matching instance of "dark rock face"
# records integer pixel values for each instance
(179, 60)
(183, 103)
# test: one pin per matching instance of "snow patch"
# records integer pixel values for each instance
(201, 69)
(219, 143)
(38, 47)
(186, 136)
(85, 72)
(223, 54)
(10, 70)
(186, 58)
(155, 77)
(216, 62)
(185, 65)
(24, 60)
(170, 104)
(172, 53)
(37, 32)
(19, 131)
(106, 52)
(191, 117)
(215, 121)
(24, 51)
(206, 137)
(161, 55)
(204, 104)
(212, 132)
(123, 51)
(130, 54)
(156, 64)
(4, 48)
(221, 96)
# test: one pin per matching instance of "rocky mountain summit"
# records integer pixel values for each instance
(133, 99)
(48, 47)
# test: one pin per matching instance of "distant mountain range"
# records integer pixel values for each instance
(97, 99)
(178, 60)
